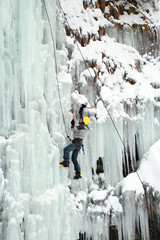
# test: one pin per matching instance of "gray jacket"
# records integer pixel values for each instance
(79, 131)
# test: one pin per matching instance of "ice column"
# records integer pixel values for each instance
(31, 125)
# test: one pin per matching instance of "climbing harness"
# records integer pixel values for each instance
(76, 141)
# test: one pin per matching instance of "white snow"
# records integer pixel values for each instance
(98, 195)
(132, 183)
(149, 169)
(131, 19)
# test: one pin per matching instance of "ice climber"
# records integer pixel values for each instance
(78, 135)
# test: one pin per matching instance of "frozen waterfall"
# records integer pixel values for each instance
(39, 200)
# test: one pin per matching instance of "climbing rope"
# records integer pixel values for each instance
(86, 63)
(56, 67)
(56, 70)
(114, 125)
(92, 79)
(125, 150)
(140, 179)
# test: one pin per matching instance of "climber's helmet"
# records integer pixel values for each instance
(85, 120)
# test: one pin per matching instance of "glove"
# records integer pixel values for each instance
(72, 123)
(81, 108)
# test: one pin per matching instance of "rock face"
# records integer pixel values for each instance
(128, 22)
(141, 33)
(38, 199)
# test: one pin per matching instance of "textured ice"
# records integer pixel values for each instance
(38, 200)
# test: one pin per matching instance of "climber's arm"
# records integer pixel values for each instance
(72, 124)
(81, 110)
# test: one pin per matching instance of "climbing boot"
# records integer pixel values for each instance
(64, 164)
(77, 176)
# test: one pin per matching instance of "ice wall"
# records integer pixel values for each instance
(39, 201)
(141, 41)
(31, 127)
(123, 79)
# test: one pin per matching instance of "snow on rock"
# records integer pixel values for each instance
(98, 195)
(149, 168)
(113, 204)
(38, 200)
(132, 183)
(131, 19)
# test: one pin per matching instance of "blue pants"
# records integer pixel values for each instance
(75, 147)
